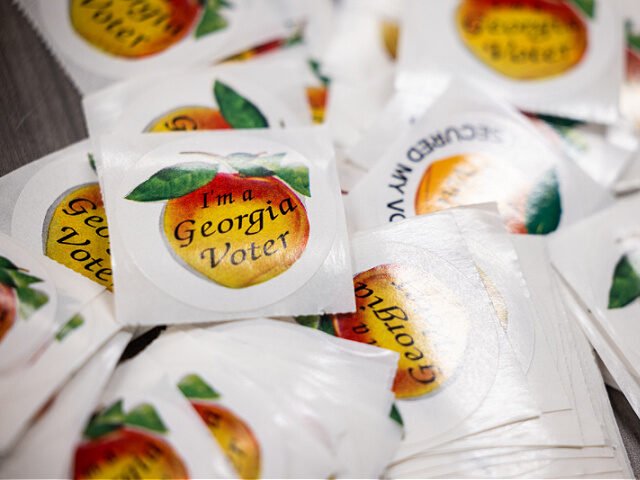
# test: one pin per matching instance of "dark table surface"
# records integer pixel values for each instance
(41, 112)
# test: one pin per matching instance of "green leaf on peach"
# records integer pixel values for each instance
(6, 279)
(625, 287)
(588, 7)
(211, 20)
(246, 165)
(173, 182)
(237, 111)
(295, 175)
(30, 300)
(633, 39)
(317, 71)
(318, 322)
(92, 162)
(311, 321)
(105, 421)
(6, 263)
(73, 323)
(544, 208)
(395, 415)
(145, 416)
(193, 386)
(22, 279)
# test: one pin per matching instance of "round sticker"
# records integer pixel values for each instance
(402, 308)
(472, 159)
(115, 39)
(60, 213)
(569, 68)
(446, 339)
(129, 30)
(525, 40)
(226, 226)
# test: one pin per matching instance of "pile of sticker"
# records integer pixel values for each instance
(408, 290)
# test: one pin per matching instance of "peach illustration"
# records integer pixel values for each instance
(524, 39)
(399, 308)
(122, 444)
(234, 436)
(133, 29)
(238, 231)
(77, 235)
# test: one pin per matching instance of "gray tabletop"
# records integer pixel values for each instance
(41, 112)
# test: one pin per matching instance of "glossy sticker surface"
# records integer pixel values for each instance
(237, 229)
(76, 233)
(524, 39)
(401, 309)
